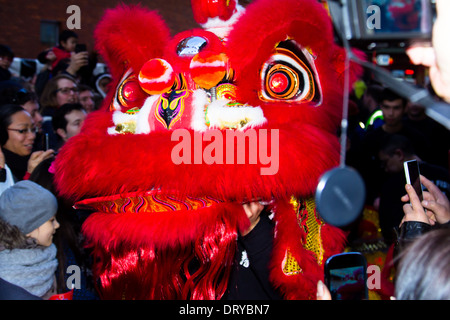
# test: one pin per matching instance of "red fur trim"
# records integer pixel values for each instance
(159, 229)
(355, 69)
(147, 255)
(130, 169)
(132, 35)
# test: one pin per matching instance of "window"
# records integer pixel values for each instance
(49, 32)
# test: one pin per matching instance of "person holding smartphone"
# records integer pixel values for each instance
(433, 211)
(427, 216)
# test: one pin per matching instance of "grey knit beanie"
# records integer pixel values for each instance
(27, 205)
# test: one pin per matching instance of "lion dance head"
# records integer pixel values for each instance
(155, 164)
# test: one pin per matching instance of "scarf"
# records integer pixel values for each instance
(31, 269)
(17, 164)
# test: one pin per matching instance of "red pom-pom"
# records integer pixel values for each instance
(208, 68)
(156, 76)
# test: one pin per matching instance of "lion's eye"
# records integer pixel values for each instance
(130, 95)
(289, 76)
(284, 82)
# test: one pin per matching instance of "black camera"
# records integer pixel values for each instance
(375, 24)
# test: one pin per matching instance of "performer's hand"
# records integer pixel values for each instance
(253, 210)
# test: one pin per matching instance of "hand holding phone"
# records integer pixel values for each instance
(80, 48)
(412, 174)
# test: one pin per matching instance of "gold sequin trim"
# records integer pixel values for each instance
(290, 265)
(311, 224)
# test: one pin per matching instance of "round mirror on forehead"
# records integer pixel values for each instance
(190, 46)
(340, 196)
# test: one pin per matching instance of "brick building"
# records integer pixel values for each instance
(29, 27)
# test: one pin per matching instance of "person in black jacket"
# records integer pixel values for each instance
(250, 277)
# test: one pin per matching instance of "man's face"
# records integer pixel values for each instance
(392, 111)
(87, 100)
(75, 121)
(67, 92)
(70, 44)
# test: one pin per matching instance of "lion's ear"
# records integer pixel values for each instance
(128, 36)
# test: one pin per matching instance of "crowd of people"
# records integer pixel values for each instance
(40, 233)
(37, 116)
(396, 131)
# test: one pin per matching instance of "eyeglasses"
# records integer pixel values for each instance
(32, 130)
(68, 90)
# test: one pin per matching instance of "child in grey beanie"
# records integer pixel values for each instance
(27, 211)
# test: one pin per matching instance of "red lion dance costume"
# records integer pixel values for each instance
(272, 70)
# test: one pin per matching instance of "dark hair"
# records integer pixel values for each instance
(423, 272)
(6, 51)
(59, 117)
(374, 90)
(66, 34)
(13, 238)
(393, 142)
(84, 87)
(389, 95)
(6, 112)
(16, 95)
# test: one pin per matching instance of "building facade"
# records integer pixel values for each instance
(31, 26)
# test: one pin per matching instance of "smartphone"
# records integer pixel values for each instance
(346, 276)
(412, 174)
(47, 142)
(80, 48)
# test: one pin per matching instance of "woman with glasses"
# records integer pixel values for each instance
(59, 90)
(14, 93)
(17, 135)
